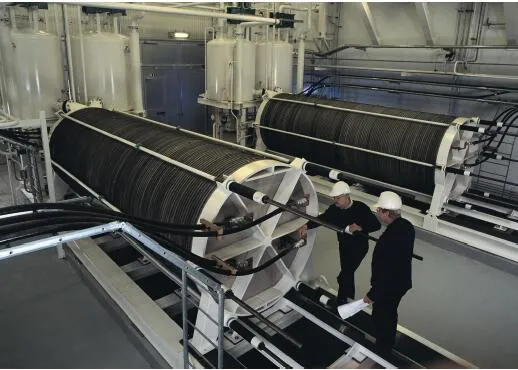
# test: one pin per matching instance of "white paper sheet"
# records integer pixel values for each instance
(349, 309)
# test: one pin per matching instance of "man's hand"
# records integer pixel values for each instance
(354, 227)
(368, 300)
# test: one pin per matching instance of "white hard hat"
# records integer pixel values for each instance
(388, 200)
(340, 188)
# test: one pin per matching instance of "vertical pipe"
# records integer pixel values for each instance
(115, 25)
(300, 64)
(184, 321)
(266, 42)
(82, 47)
(46, 20)
(46, 156)
(12, 16)
(221, 312)
(35, 20)
(9, 173)
(138, 105)
(98, 22)
(69, 53)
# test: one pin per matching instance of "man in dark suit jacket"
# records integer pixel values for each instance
(391, 270)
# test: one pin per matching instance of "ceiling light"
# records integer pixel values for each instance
(180, 35)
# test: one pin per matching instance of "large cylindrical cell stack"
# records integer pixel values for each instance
(38, 72)
(106, 65)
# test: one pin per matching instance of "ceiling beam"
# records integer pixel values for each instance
(368, 19)
(423, 14)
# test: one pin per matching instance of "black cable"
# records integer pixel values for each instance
(108, 216)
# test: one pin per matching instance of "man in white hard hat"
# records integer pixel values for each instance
(352, 216)
(391, 269)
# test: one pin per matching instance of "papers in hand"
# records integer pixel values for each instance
(349, 309)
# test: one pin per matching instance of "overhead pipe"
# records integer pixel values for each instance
(181, 11)
(410, 71)
(422, 93)
(432, 83)
(370, 46)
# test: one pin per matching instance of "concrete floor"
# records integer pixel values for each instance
(50, 318)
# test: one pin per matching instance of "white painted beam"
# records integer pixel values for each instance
(369, 23)
(423, 14)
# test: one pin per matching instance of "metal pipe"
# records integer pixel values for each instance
(145, 150)
(446, 96)
(82, 50)
(69, 53)
(370, 46)
(436, 83)
(98, 22)
(253, 336)
(47, 158)
(221, 326)
(180, 11)
(410, 71)
(86, 187)
(59, 239)
(184, 322)
(506, 77)
(219, 141)
(264, 320)
(35, 20)
(136, 73)
(115, 25)
(12, 17)
(316, 105)
(300, 65)
(348, 146)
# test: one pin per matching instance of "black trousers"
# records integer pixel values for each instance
(384, 315)
(351, 256)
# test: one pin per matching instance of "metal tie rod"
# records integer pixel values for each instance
(349, 146)
(146, 150)
(362, 112)
(227, 143)
(257, 315)
(337, 175)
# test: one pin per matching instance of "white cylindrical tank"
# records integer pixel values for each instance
(273, 68)
(38, 72)
(220, 53)
(282, 66)
(244, 71)
(106, 65)
(261, 52)
(8, 71)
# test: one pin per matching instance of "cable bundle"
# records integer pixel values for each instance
(416, 141)
(137, 183)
